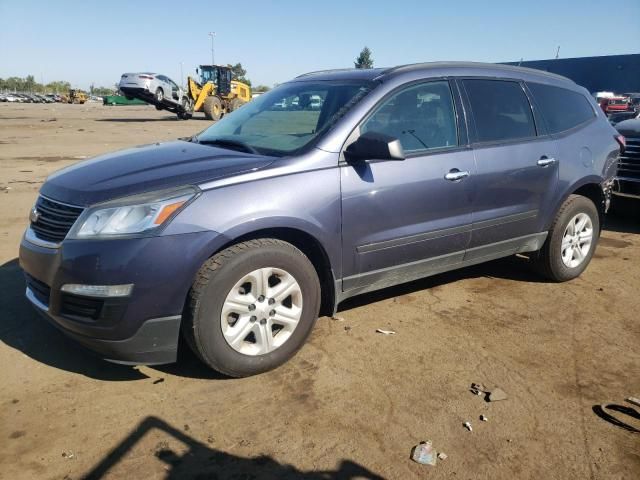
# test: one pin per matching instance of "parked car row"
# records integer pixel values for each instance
(30, 98)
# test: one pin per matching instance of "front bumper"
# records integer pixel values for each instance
(142, 328)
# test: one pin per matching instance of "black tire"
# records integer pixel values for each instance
(187, 109)
(215, 279)
(235, 104)
(159, 107)
(159, 95)
(549, 261)
(212, 108)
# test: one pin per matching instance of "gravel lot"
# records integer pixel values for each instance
(353, 402)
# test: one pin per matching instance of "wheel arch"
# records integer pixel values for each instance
(308, 244)
(589, 187)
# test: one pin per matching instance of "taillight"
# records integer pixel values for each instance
(621, 141)
(146, 77)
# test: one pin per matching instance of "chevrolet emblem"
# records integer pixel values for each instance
(35, 215)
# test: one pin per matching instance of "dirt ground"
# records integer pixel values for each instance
(353, 402)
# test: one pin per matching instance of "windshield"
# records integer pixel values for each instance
(287, 118)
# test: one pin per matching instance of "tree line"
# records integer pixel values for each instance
(29, 84)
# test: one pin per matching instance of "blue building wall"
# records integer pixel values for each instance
(614, 73)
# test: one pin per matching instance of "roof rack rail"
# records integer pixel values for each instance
(500, 66)
(329, 70)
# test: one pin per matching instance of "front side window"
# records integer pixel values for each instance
(562, 109)
(501, 110)
(286, 118)
(422, 117)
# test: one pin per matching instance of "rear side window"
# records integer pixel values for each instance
(562, 109)
(500, 109)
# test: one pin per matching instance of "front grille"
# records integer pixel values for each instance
(54, 219)
(39, 289)
(83, 307)
(629, 163)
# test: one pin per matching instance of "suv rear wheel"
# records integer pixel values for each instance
(572, 240)
(252, 307)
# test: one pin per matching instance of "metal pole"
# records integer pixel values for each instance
(212, 35)
(558, 52)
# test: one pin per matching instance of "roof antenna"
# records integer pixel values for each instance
(558, 52)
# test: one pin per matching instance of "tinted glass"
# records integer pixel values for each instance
(422, 117)
(562, 109)
(500, 109)
(288, 117)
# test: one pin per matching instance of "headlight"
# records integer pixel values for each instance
(132, 215)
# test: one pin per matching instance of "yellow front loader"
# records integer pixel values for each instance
(76, 96)
(216, 94)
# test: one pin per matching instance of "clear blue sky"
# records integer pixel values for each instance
(95, 41)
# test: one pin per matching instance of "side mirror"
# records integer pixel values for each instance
(375, 146)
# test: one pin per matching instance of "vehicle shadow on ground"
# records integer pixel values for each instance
(23, 329)
(138, 120)
(200, 461)
(624, 216)
(516, 268)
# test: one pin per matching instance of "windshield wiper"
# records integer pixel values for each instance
(230, 143)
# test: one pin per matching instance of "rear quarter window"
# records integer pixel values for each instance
(561, 108)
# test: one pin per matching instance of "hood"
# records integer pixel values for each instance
(629, 128)
(146, 168)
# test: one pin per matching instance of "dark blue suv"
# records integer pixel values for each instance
(333, 184)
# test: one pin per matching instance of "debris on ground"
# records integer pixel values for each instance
(497, 394)
(483, 418)
(68, 455)
(347, 328)
(633, 400)
(385, 332)
(337, 319)
(478, 388)
(424, 454)
(160, 380)
(468, 426)
(442, 456)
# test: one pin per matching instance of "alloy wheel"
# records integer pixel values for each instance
(261, 311)
(577, 240)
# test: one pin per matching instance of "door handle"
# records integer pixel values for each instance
(545, 161)
(454, 175)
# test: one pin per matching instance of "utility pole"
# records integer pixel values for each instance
(212, 35)
(558, 52)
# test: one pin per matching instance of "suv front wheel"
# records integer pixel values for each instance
(252, 307)
(572, 240)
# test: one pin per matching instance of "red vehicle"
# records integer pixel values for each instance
(615, 104)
